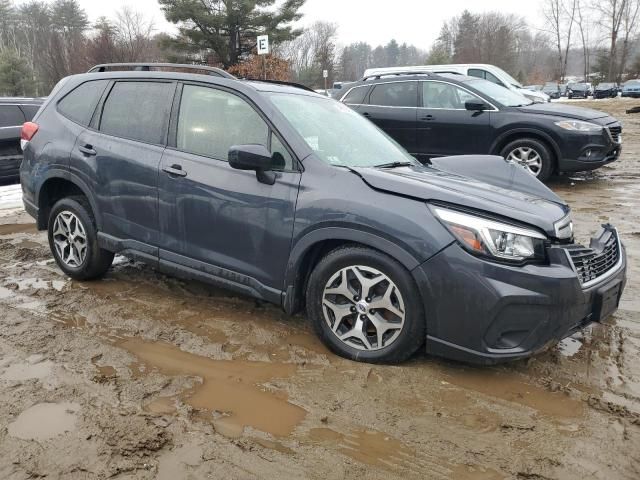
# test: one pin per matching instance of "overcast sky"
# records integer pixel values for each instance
(412, 21)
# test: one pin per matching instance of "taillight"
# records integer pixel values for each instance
(29, 129)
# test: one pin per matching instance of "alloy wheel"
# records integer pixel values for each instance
(69, 239)
(363, 308)
(528, 158)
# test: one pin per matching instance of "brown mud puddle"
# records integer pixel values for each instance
(231, 388)
(507, 386)
(18, 228)
(378, 449)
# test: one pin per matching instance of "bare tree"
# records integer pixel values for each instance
(560, 17)
(584, 26)
(630, 18)
(134, 34)
(612, 15)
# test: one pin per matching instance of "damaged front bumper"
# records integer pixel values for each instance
(483, 312)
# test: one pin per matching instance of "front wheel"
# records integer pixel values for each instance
(365, 306)
(532, 154)
(73, 238)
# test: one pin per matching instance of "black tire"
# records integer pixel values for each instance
(547, 157)
(413, 333)
(96, 261)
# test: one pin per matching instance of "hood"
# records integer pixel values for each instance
(563, 110)
(506, 191)
(533, 94)
(604, 89)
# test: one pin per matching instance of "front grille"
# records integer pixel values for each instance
(594, 261)
(615, 133)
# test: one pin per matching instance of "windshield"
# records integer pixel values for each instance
(337, 134)
(579, 86)
(604, 86)
(506, 77)
(506, 97)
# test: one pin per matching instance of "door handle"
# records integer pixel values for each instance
(366, 114)
(87, 150)
(175, 170)
(427, 118)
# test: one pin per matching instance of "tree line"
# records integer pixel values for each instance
(42, 41)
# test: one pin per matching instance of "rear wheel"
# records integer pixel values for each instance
(365, 306)
(73, 238)
(532, 154)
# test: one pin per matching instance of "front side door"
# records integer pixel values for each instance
(121, 159)
(393, 107)
(446, 127)
(217, 219)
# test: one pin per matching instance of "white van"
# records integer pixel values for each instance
(480, 70)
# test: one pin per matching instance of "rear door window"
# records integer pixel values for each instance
(11, 116)
(80, 103)
(138, 111)
(356, 96)
(396, 94)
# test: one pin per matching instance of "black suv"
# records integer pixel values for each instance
(433, 115)
(13, 113)
(291, 197)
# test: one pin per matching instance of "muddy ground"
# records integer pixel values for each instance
(145, 376)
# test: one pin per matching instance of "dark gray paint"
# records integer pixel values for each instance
(223, 226)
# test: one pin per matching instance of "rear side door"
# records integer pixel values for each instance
(393, 106)
(11, 120)
(445, 126)
(120, 156)
(216, 219)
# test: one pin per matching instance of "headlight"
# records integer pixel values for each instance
(578, 126)
(491, 238)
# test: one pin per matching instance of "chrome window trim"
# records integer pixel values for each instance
(11, 126)
(494, 108)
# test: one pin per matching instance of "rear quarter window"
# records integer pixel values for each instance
(11, 116)
(138, 111)
(80, 103)
(29, 111)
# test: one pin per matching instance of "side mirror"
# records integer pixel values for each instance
(476, 105)
(253, 157)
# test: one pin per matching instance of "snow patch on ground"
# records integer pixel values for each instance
(10, 196)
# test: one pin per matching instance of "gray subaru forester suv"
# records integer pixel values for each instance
(287, 196)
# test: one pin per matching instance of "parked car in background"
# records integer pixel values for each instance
(579, 90)
(631, 88)
(552, 89)
(564, 87)
(287, 196)
(437, 115)
(490, 73)
(533, 88)
(13, 113)
(606, 90)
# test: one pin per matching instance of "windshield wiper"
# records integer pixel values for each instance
(395, 165)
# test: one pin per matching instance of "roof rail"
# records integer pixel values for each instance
(146, 67)
(281, 82)
(408, 72)
(395, 74)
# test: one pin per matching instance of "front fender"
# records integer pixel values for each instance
(295, 276)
